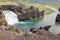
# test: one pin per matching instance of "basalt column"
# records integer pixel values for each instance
(2, 19)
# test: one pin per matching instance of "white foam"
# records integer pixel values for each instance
(11, 17)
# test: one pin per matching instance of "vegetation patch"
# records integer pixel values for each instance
(57, 6)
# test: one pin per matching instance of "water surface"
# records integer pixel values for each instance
(48, 20)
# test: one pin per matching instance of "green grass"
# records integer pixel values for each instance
(55, 5)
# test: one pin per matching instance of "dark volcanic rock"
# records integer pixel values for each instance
(33, 30)
(45, 27)
(58, 18)
(59, 9)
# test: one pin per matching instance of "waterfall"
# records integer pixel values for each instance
(11, 17)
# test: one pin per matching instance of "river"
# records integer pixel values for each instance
(48, 20)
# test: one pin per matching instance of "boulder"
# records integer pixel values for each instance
(45, 27)
(58, 18)
(59, 9)
(33, 30)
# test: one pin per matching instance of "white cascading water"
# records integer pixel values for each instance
(11, 17)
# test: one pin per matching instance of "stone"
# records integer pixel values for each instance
(58, 18)
(33, 30)
(59, 9)
(46, 27)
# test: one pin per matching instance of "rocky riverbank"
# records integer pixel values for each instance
(40, 34)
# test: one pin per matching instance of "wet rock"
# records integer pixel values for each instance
(59, 9)
(33, 30)
(58, 18)
(45, 27)
(41, 28)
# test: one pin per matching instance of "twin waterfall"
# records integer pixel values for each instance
(10, 17)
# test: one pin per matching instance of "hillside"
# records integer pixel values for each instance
(37, 1)
(8, 3)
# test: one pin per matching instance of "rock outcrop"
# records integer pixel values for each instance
(25, 13)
